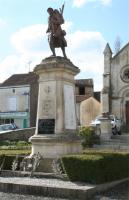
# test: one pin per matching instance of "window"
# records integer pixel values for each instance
(12, 104)
(125, 74)
(13, 90)
(81, 90)
(7, 121)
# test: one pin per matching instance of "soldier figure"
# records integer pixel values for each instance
(56, 37)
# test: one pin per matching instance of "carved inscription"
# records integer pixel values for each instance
(48, 101)
(47, 106)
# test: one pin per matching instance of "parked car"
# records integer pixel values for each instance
(115, 123)
(7, 127)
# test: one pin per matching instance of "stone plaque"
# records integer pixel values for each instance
(69, 103)
(46, 126)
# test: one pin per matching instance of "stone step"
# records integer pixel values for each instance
(114, 141)
(120, 142)
(121, 137)
(11, 173)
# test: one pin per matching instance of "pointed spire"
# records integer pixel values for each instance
(107, 50)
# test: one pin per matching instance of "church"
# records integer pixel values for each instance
(115, 92)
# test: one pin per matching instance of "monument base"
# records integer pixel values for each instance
(54, 146)
(106, 131)
(56, 125)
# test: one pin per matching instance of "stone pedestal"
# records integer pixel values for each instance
(56, 116)
(105, 127)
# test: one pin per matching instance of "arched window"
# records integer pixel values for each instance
(126, 74)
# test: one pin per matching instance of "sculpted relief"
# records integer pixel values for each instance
(48, 100)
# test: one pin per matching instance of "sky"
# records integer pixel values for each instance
(89, 25)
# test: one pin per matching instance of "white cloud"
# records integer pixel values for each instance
(79, 3)
(15, 64)
(85, 50)
(67, 25)
(106, 2)
(33, 39)
(2, 23)
(7, 66)
(30, 44)
(29, 39)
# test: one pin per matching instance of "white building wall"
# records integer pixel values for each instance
(14, 98)
(15, 105)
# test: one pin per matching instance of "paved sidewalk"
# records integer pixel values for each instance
(52, 187)
(120, 192)
(10, 196)
(46, 187)
(52, 182)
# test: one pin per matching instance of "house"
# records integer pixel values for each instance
(18, 100)
(19, 97)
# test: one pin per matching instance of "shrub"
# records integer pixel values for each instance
(22, 143)
(1, 159)
(5, 143)
(88, 135)
(97, 168)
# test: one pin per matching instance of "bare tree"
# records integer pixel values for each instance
(117, 44)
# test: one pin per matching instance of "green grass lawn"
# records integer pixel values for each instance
(92, 151)
(28, 151)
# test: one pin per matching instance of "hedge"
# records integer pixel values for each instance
(97, 168)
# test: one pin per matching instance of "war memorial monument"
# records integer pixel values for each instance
(56, 125)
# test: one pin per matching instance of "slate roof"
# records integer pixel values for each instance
(84, 82)
(20, 79)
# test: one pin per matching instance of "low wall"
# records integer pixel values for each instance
(20, 134)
